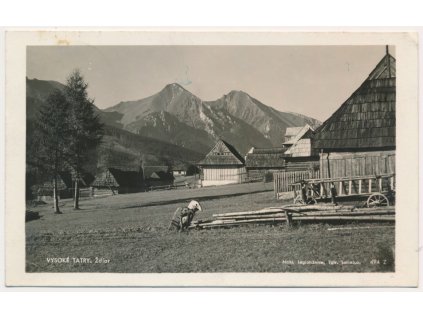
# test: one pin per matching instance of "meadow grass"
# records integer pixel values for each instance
(128, 234)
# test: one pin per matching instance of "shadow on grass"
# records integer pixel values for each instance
(343, 222)
(31, 215)
(356, 200)
(198, 198)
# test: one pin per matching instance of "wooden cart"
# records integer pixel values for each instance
(379, 190)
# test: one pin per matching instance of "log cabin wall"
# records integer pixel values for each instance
(346, 164)
(302, 164)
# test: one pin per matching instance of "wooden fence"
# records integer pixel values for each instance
(282, 181)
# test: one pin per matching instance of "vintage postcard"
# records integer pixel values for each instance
(209, 158)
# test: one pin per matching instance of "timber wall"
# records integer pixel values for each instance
(222, 175)
(349, 164)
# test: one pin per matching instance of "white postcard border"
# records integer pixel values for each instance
(406, 256)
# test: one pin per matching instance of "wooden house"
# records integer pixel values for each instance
(222, 165)
(44, 192)
(179, 170)
(65, 185)
(157, 177)
(115, 181)
(300, 145)
(300, 155)
(359, 138)
(291, 132)
(296, 154)
(262, 162)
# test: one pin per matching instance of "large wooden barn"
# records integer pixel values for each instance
(222, 165)
(359, 138)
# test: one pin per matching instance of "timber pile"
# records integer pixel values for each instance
(290, 213)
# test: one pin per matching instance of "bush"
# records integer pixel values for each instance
(192, 170)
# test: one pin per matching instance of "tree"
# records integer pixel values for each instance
(85, 128)
(53, 138)
(192, 170)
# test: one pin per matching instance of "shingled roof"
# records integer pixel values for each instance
(292, 131)
(161, 175)
(222, 154)
(300, 134)
(113, 177)
(150, 170)
(267, 158)
(366, 120)
(65, 180)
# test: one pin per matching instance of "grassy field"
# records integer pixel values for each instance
(128, 233)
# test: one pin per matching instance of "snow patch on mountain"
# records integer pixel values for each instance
(207, 121)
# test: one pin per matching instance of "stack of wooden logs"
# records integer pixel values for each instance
(290, 213)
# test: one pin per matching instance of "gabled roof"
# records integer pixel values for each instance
(292, 131)
(113, 177)
(222, 154)
(68, 177)
(366, 120)
(179, 167)
(150, 170)
(161, 175)
(47, 187)
(276, 150)
(300, 134)
(302, 148)
(265, 158)
(384, 69)
(65, 180)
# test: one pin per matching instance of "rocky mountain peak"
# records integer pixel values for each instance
(174, 87)
(176, 115)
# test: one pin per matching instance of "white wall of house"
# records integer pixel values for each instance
(179, 173)
(222, 175)
(208, 183)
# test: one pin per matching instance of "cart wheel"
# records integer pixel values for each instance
(377, 199)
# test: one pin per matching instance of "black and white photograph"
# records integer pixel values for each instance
(210, 159)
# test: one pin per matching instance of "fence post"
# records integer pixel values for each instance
(288, 217)
(275, 187)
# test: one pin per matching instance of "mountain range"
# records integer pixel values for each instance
(119, 147)
(176, 115)
(175, 125)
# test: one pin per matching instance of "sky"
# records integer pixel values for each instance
(310, 80)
